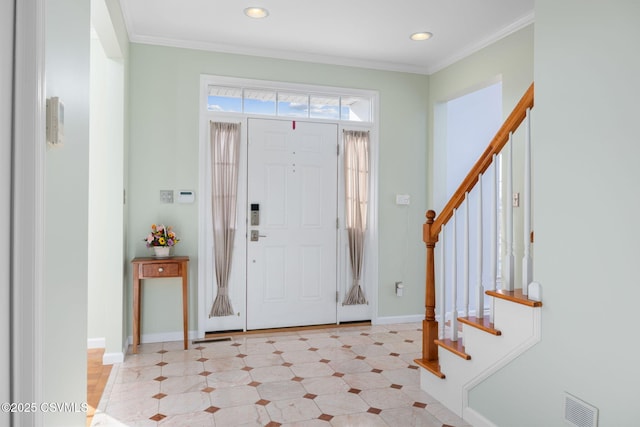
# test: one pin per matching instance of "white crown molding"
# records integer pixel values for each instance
(276, 54)
(319, 58)
(521, 23)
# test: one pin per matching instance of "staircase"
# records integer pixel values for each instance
(460, 353)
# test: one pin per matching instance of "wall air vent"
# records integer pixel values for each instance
(578, 413)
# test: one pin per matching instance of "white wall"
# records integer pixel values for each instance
(106, 184)
(586, 178)
(472, 120)
(66, 212)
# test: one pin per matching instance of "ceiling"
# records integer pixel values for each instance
(364, 33)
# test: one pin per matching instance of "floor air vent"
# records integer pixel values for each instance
(578, 413)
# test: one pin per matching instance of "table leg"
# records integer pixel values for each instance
(136, 311)
(185, 305)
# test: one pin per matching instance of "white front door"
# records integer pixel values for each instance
(291, 258)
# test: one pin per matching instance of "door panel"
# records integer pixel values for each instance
(291, 268)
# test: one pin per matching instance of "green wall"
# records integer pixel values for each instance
(163, 154)
(586, 151)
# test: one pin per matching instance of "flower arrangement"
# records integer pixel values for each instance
(161, 236)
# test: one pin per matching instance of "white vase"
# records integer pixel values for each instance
(162, 251)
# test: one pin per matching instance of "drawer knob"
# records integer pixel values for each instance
(160, 269)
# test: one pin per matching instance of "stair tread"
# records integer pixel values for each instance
(514, 296)
(432, 366)
(455, 347)
(482, 323)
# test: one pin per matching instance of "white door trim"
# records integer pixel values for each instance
(370, 268)
(27, 263)
(6, 134)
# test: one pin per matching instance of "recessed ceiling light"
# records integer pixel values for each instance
(423, 35)
(256, 12)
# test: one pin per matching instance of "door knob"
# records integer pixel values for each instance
(255, 235)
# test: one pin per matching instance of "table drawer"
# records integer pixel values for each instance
(170, 269)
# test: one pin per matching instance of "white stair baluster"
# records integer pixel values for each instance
(479, 287)
(454, 279)
(507, 280)
(494, 234)
(465, 308)
(527, 267)
(443, 285)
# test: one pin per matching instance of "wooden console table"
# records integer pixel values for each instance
(154, 268)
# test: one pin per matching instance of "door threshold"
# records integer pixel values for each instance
(226, 334)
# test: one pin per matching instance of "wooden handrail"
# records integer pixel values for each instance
(495, 146)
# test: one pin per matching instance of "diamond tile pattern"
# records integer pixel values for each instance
(334, 376)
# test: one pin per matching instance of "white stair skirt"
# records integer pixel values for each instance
(520, 326)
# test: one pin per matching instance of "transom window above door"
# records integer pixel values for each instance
(286, 103)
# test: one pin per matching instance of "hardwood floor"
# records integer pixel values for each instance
(97, 376)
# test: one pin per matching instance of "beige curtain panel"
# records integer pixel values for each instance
(356, 177)
(225, 153)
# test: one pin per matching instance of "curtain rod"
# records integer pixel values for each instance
(231, 123)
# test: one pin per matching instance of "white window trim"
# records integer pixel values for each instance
(303, 89)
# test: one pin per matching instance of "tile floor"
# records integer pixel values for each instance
(347, 376)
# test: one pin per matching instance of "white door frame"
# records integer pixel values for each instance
(370, 268)
(27, 215)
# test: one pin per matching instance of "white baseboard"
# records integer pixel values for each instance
(476, 419)
(111, 358)
(96, 342)
(107, 358)
(388, 320)
(163, 337)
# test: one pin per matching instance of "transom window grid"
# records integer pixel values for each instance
(285, 103)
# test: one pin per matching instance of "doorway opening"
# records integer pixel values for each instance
(463, 127)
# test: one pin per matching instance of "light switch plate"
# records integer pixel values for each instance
(403, 199)
(166, 196)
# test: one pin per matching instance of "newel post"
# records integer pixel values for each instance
(429, 324)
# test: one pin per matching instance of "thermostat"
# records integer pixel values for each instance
(186, 196)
